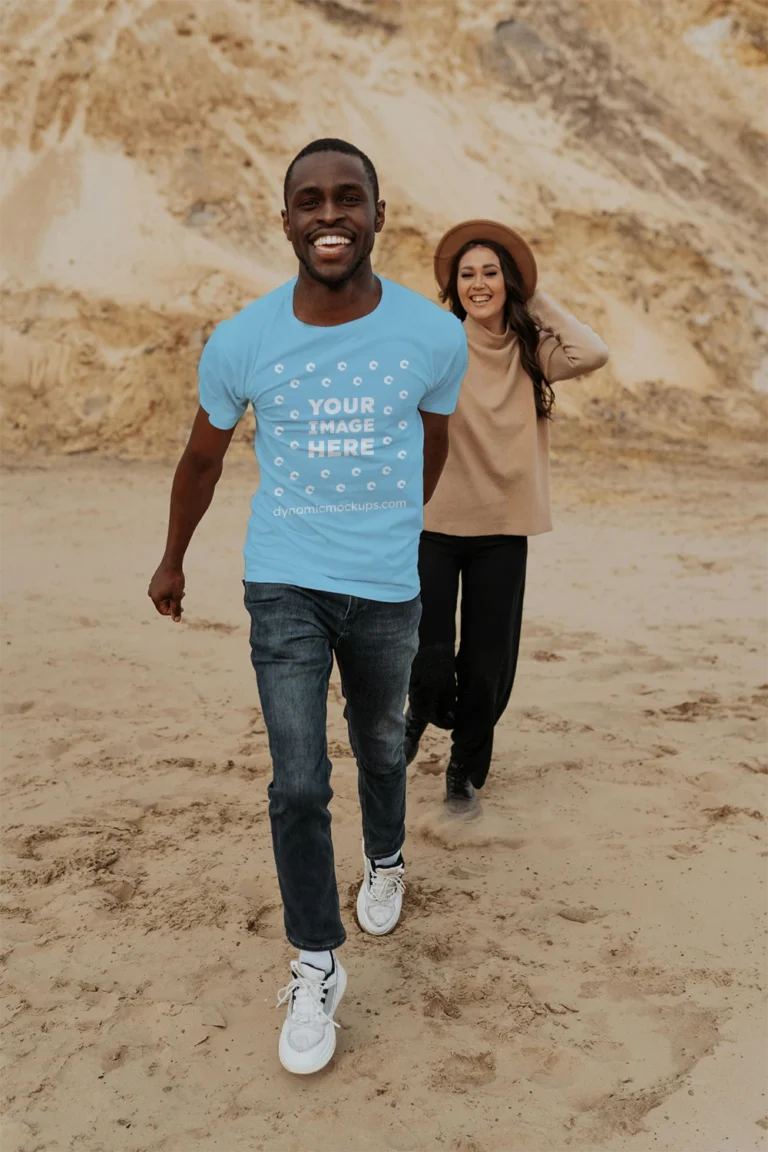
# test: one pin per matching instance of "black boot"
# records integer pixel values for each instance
(414, 730)
(460, 795)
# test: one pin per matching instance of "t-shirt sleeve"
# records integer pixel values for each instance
(219, 385)
(443, 396)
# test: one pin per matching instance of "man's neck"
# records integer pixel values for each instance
(318, 304)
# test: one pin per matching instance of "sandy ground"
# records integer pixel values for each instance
(582, 967)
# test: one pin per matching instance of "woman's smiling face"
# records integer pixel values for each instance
(481, 288)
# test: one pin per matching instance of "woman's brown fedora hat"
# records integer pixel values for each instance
(456, 237)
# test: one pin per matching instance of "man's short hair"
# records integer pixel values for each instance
(329, 144)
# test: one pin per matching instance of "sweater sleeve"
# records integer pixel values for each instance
(567, 347)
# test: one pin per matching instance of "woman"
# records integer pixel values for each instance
(493, 494)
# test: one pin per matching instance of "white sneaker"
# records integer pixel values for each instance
(308, 1038)
(380, 899)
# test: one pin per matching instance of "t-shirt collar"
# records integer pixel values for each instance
(348, 325)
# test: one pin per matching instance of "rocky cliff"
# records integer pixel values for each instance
(145, 145)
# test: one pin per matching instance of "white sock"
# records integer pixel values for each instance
(321, 960)
(387, 861)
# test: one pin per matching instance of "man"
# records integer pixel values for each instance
(352, 379)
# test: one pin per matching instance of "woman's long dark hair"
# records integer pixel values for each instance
(516, 314)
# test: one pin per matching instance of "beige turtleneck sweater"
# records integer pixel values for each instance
(496, 479)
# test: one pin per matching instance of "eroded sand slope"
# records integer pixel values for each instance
(146, 145)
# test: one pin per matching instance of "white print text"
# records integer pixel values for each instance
(340, 448)
(350, 506)
(334, 427)
(349, 405)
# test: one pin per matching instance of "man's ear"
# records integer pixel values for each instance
(381, 208)
(286, 225)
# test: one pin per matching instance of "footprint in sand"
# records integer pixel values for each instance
(10, 709)
(213, 626)
(440, 828)
(581, 915)
(758, 767)
(462, 1071)
(431, 767)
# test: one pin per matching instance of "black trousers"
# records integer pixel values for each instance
(469, 690)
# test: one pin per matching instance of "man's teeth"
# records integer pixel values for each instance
(330, 241)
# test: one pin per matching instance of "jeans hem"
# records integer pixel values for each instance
(385, 855)
(337, 943)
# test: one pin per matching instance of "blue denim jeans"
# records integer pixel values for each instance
(295, 633)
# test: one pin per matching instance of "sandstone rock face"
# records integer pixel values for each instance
(145, 146)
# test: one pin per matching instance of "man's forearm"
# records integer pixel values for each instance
(191, 495)
(435, 456)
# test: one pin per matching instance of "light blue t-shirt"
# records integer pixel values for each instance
(339, 437)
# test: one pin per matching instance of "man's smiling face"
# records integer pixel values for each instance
(331, 217)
